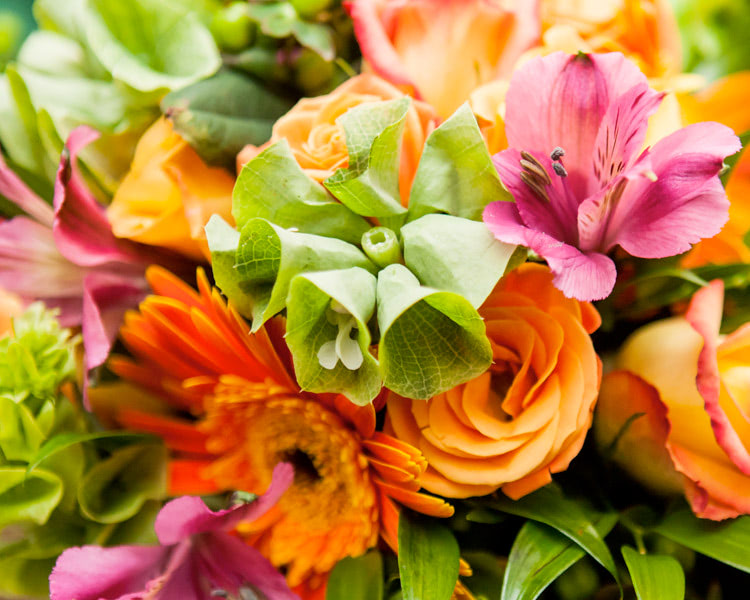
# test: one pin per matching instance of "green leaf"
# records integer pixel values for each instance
(540, 554)
(369, 186)
(547, 505)
(115, 489)
(655, 577)
(487, 574)
(456, 255)
(314, 325)
(27, 497)
(279, 19)
(220, 115)
(269, 257)
(26, 578)
(427, 558)
(150, 44)
(273, 186)
(430, 340)
(726, 541)
(223, 240)
(731, 161)
(455, 174)
(359, 578)
(20, 436)
(138, 529)
(65, 440)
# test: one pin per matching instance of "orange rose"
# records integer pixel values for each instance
(528, 415)
(317, 140)
(694, 389)
(10, 306)
(169, 194)
(643, 30)
(440, 50)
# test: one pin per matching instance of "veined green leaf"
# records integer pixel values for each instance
(268, 257)
(223, 240)
(220, 115)
(430, 340)
(150, 44)
(359, 578)
(427, 558)
(540, 554)
(455, 174)
(322, 309)
(115, 489)
(726, 541)
(27, 497)
(547, 505)
(369, 186)
(655, 577)
(272, 186)
(456, 255)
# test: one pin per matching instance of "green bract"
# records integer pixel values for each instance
(353, 267)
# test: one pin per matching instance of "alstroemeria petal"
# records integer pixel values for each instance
(189, 515)
(584, 276)
(17, 191)
(82, 232)
(654, 219)
(95, 573)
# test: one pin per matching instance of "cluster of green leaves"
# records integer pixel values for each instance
(55, 490)
(313, 251)
(555, 548)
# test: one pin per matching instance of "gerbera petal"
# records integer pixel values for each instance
(686, 203)
(189, 515)
(95, 573)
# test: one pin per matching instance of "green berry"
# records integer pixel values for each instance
(233, 28)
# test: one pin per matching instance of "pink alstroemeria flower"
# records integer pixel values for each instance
(198, 559)
(67, 256)
(576, 127)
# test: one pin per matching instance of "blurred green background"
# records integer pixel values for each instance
(716, 33)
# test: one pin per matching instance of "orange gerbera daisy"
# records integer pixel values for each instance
(242, 413)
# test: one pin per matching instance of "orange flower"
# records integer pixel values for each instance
(693, 387)
(643, 30)
(440, 50)
(169, 194)
(196, 353)
(527, 416)
(10, 306)
(317, 140)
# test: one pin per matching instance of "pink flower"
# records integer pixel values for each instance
(67, 256)
(197, 558)
(575, 127)
(441, 50)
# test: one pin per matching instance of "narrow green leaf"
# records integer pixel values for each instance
(430, 340)
(220, 115)
(655, 577)
(150, 44)
(268, 257)
(369, 186)
(428, 558)
(273, 186)
(65, 440)
(115, 489)
(323, 310)
(456, 255)
(359, 578)
(25, 497)
(455, 174)
(726, 541)
(540, 554)
(547, 505)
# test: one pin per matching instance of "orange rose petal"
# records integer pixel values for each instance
(530, 483)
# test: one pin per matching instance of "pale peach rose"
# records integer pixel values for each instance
(694, 386)
(527, 416)
(318, 143)
(169, 194)
(441, 50)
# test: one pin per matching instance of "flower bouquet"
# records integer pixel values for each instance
(381, 299)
